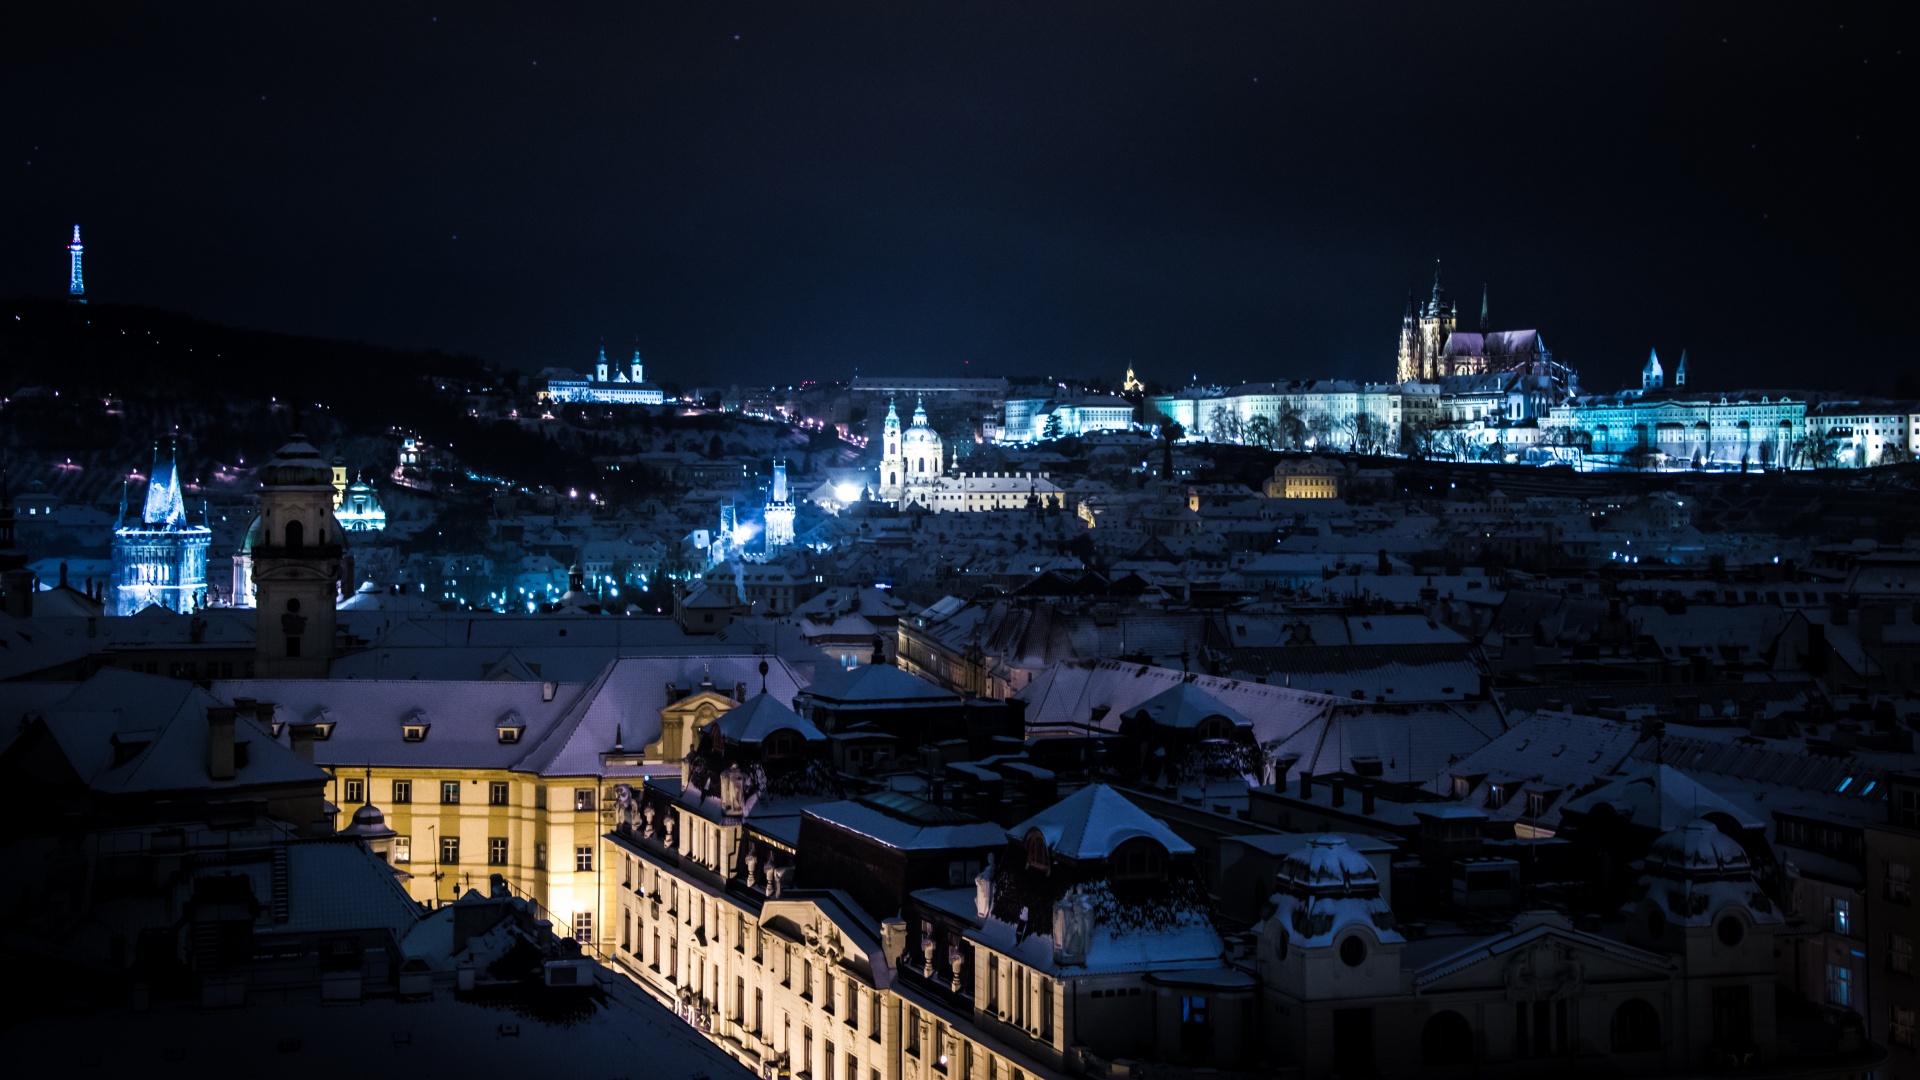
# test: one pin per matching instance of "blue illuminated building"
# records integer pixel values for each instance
(160, 558)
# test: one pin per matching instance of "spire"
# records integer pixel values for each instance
(919, 411)
(1652, 377)
(1486, 323)
(76, 282)
(1680, 371)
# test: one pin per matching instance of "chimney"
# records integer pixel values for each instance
(300, 738)
(1366, 800)
(220, 742)
(1306, 785)
(1339, 787)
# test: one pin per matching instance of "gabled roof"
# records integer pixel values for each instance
(877, 685)
(1660, 797)
(624, 703)
(369, 717)
(1092, 822)
(1186, 706)
(162, 723)
(761, 716)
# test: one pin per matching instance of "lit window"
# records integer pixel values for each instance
(1839, 984)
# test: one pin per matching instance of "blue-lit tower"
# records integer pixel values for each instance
(160, 557)
(779, 511)
(76, 283)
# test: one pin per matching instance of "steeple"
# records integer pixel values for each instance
(919, 412)
(639, 372)
(164, 505)
(600, 367)
(1680, 371)
(1486, 323)
(76, 283)
(1653, 376)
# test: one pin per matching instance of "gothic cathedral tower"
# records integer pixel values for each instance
(297, 550)
(893, 464)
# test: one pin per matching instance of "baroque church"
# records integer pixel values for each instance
(911, 474)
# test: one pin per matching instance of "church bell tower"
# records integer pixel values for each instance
(297, 552)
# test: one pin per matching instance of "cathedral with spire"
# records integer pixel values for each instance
(1433, 347)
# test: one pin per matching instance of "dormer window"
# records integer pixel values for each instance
(413, 728)
(510, 726)
(509, 734)
(1038, 857)
(323, 730)
(1138, 859)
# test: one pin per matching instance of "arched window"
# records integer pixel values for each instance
(1446, 1040)
(1636, 1027)
(1037, 853)
(296, 534)
(1214, 729)
(781, 744)
(1138, 859)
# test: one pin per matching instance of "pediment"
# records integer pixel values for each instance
(1540, 963)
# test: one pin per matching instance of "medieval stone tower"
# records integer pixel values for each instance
(297, 550)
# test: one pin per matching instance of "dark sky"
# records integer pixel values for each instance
(765, 192)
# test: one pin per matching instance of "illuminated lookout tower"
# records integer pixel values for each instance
(76, 284)
(779, 510)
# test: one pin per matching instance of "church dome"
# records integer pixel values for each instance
(251, 537)
(921, 433)
(1699, 850)
(297, 464)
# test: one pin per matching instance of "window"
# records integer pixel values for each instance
(539, 854)
(449, 792)
(496, 851)
(583, 798)
(1839, 984)
(873, 1017)
(939, 1046)
(1900, 953)
(913, 1031)
(1447, 1039)
(1899, 886)
(826, 993)
(403, 849)
(1900, 1030)
(1839, 915)
(830, 1059)
(1636, 1027)
(450, 849)
(497, 793)
(1036, 850)
(1138, 859)
(1196, 1033)
(583, 927)
(353, 791)
(402, 792)
(1353, 951)
(1536, 804)
(583, 857)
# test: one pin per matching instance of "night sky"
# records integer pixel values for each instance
(765, 192)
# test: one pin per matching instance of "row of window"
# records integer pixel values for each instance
(499, 792)
(497, 852)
